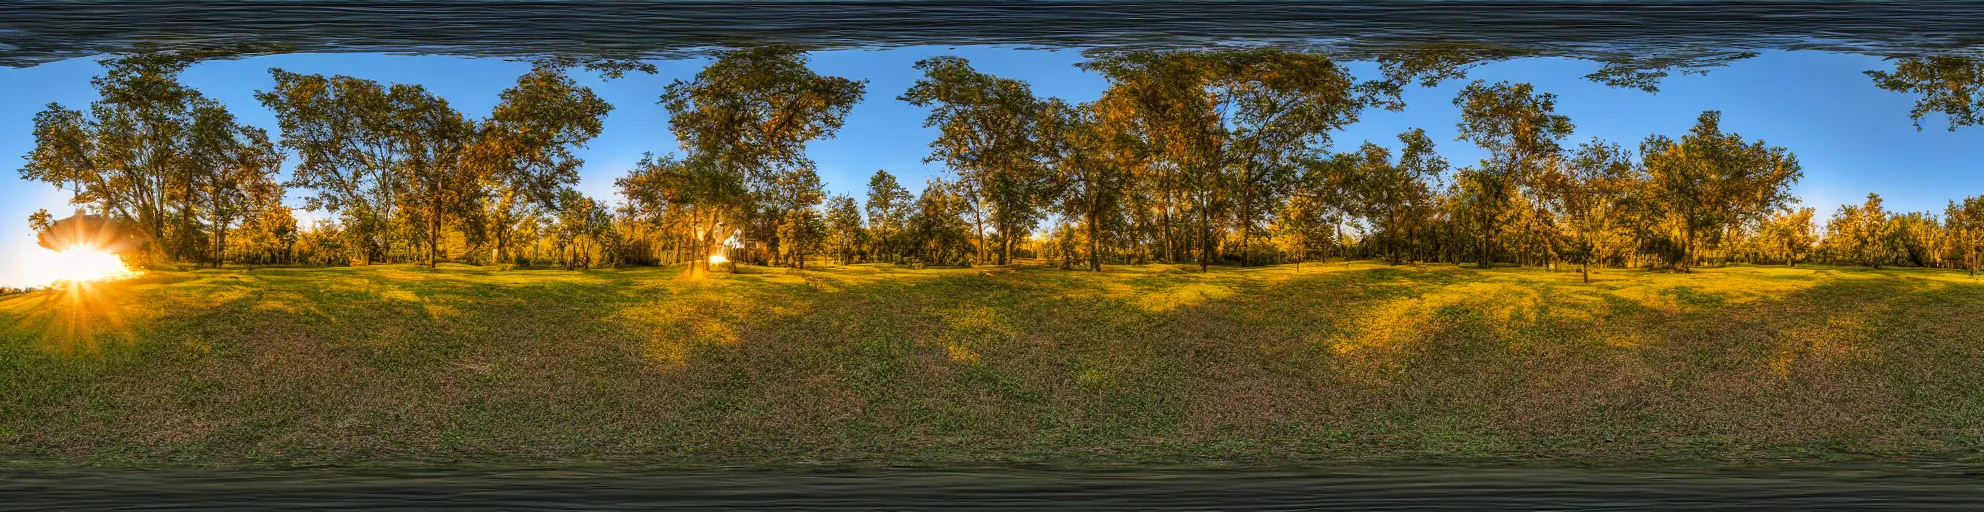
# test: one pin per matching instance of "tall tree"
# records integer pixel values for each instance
(844, 219)
(1279, 107)
(127, 157)
(1396, 197)
(888, 210)
(1158, 98)
(1861, 233)
(438, 189)
(345, 131)
(1520, 129)
(711, 196)
(1590, 189)
(1965, 222)
(753, 110)
(524, 149)
(1710, 181)
(1088, 163)
(232, 169)
(988, 136)
(1233, 124)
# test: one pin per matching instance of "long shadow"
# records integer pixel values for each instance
(894, 366)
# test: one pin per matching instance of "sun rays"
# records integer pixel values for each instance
(74, 315)
(77, 264)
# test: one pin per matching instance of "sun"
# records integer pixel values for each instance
(75, 264)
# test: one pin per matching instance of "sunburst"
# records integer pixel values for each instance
(75, 264)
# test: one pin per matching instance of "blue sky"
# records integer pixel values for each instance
(1851, 137)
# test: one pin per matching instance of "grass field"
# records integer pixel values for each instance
(871, 365)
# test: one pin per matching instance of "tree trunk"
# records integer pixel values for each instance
(1094, 246)
(434, 239)
(1490, 223)
(701, 254)
(1006, 244)
(386, 239)
(1246, 232)
(1205, 238)
(503, 239)
(1687, 250)
(220, 244)
(1246, 214)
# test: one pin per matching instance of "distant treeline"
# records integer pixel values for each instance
(1204, 157)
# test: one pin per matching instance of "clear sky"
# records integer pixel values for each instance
(1851, 137)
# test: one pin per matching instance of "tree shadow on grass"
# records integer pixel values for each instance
(874, 363)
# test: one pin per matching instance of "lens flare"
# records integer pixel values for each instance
(718, 257)
(45, 267)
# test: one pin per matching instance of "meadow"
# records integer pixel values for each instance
(1356, 362)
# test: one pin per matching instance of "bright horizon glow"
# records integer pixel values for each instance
(44, 267)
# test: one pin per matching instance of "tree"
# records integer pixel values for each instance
(1298, 227)
(270, 227)
(1280, 107)
(1065, 239)
(1323, 195)
(1591, 190)
(437, 188)
(1861, 233)
(1965, 222)
(1788, 235)
(127, 158)
(937, 228)
(1088, 163)
(988, 136)
(888, 211)
(524, 148)
(155, 154)
(1232, 125)
(711, 195)
(1951, 84)
(323, 243)
(752, 111)
(1916, 239)
(232, 168)
(351, 150)
(1396, 197)
(796, 195)
(844, 219)
(1520, 129)
(40, 220)
(1710, 181)
(1157, 99)
(583, 227)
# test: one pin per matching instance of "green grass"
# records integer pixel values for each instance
(869, 365)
